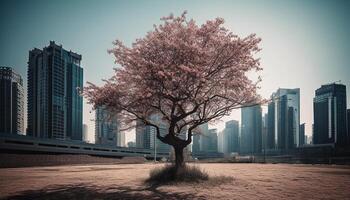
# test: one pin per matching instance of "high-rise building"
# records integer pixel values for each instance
(146, 135)
(284, 119)
(348, 117)
(302, 140)
(55, 108)
(196, 147)
(264, 131)
(11, 102)
(330, 115)
(270, 133)
(203, 137)
(231, 137)
(251, 133)
(212, 140)
(107, 129)
(85, 133)
(221, 146)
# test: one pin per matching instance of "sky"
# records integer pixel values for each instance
(304, 43)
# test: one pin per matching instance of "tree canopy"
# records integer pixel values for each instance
(188, 74)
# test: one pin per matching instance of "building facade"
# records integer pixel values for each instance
(107, 129)
(330, 115)
(284, 119)
(55, 108)
(302, 140)
(11, 102)
(231, 137)
(85, 133)
(251, 130)
(348, 117)
(270, 133)
(146, 135)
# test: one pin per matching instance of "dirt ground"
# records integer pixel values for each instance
(126, 181)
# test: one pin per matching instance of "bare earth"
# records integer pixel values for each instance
(126, 181)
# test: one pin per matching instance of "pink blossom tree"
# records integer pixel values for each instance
(187, 74)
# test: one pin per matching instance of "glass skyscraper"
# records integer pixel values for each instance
(283, 128)
(330, 115)
(107, 129)
(55, 108)
(11, 102)
(146, 135)
(251, 134)
(231, 137)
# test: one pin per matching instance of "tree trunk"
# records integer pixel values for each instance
(179, 157)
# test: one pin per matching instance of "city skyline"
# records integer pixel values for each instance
(308, 53)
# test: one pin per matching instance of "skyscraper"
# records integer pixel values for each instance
(85, 133)
(302, 140)
(231, 137)
(284, 113)
(11, 102)
(251, 134)
(212, 140)
(196, 146)
(330, 115)
(348, 117)
(270, 135)
(55, 108)
(146, 135)
(107, 129)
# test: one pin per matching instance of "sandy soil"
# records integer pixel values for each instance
(126, 181)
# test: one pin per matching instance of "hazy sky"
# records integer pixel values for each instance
(304, 43)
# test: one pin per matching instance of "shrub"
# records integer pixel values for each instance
(169, 173)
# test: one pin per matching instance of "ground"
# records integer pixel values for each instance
(126, 181)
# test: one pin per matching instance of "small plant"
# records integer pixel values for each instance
(170, 174)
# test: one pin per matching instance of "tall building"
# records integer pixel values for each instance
(270, 133)
(348, 117)
(330, 115)
(231, 137)
(264, 131)
(85, 133)
(251, 133)
(210, 141)
(221, 146)
(11, 102)
(196, 147)
(107, 129)
(146, 135)
(284, 119)
(302, 140)
(55, 108)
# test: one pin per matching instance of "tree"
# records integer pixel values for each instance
(187, 74)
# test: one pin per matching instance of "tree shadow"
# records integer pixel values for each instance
(82, 191)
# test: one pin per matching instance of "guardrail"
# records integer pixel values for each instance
(27, 144)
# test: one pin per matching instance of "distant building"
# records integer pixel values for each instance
(330, 115)
(55, 107)
(107, 129)
(270, 133)
(196, 148)
(146, 135)
(11, 102)
(348, 117)
(251, 133)
(85, 133)
(131, 144)
(264, 131)
(212, 140)
(284, 119)
(302, 139)
(221, 146)
(231, 137)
